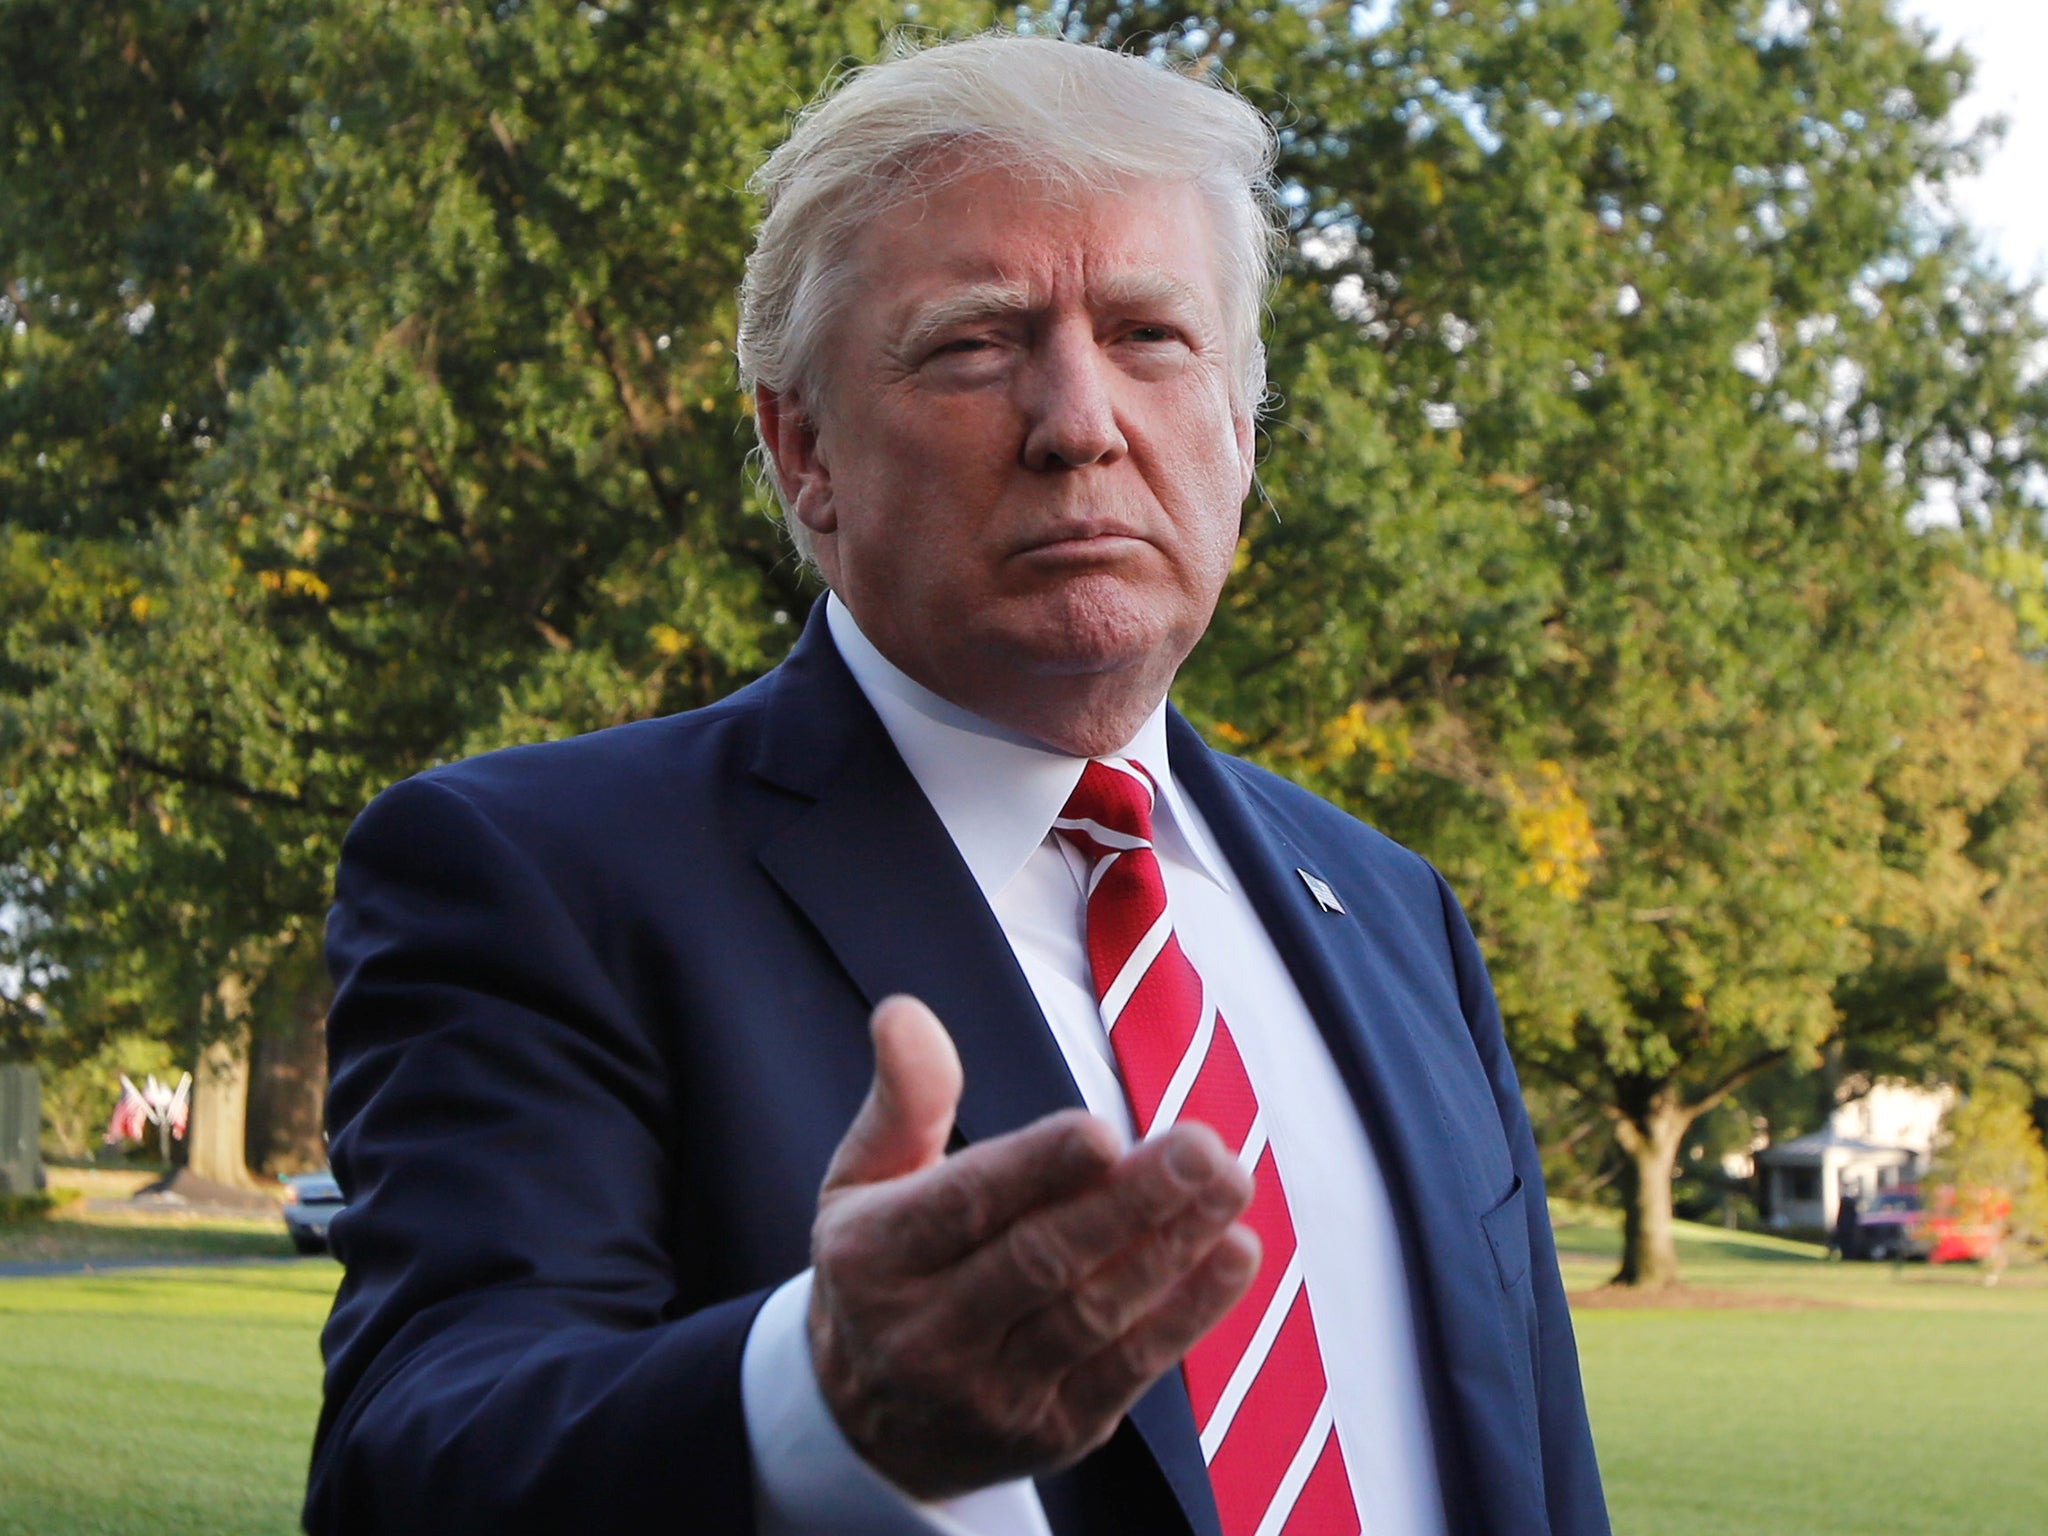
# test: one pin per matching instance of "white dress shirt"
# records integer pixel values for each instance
(997, 793)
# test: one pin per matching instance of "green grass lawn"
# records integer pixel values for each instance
(159, 1403)
(1817, 1398)
(1813, 1399)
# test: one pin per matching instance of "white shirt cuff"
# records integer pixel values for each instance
(808, 1481)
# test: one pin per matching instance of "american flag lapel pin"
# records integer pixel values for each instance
(1320, 889)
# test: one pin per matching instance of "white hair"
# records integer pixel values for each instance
(1073, 117)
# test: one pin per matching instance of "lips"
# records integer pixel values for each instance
(1110, 552)
(1095, 539)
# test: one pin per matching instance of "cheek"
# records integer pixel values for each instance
(931, 459)
(1211, 491)
(912, 534)
(1219, 549)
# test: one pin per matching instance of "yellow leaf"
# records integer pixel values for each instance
(293, 583)
(1554, 829)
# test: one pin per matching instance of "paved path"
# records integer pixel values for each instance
(43, 1268)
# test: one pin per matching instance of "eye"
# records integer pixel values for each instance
(1152, 334)
(973, 347)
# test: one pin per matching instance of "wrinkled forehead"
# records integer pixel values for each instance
(989, 242)
(866, 242)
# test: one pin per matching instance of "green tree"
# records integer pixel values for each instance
(367, 403)
(1956, 987)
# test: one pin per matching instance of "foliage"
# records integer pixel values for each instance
(367, 392)
(34, 1204)
(1957, 915)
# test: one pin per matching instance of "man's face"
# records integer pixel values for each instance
(1025, 473)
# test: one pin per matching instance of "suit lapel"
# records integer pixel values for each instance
(1338, 962)
(1331, 961)
(872, 868)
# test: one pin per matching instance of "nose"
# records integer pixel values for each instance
(1068, 403)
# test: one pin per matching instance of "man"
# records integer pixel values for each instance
(930, 1091)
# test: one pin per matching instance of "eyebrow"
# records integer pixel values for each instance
(964, 306)
(1149, 290)
(1139, 291)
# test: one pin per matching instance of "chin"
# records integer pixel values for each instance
(1100, 624)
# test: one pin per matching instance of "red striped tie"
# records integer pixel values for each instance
(1255, 1380)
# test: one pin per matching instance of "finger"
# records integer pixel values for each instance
(933, 1220)
(1107, 1302)
(903, 1124)
(1046, 1254)
(1117, 1375)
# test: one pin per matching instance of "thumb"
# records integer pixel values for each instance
(904, 1122)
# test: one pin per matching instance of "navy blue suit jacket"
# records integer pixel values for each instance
(601, 1017)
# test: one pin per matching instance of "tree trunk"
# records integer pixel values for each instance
(288, 1082)
(215, 1144)
(1649, 1256)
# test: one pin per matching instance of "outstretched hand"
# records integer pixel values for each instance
(993, 1315)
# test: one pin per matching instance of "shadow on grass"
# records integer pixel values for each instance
(88, 1237)
(1735, 1247)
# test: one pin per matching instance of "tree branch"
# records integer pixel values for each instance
(1557, 1075)
(444, 495)
(1736, 1079)
(635, 411)
(204, 778)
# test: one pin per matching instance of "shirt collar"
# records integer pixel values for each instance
(995, 789)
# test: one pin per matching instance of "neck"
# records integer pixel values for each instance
(1081, 716)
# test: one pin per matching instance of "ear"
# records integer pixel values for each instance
(790, 435)
(1246, 431)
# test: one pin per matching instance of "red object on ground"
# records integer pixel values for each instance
(1964, 1228)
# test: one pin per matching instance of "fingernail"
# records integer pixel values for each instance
(1188, 1162)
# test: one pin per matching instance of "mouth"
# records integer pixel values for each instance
(1083, 545)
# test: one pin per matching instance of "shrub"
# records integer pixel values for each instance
(35, 1205)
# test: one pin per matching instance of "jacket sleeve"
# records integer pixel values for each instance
(510, 1350)
(1571, 1475)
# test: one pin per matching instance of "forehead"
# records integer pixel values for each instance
(997, 232)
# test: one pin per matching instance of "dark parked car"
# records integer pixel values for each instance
(311, 1201)
(1890, 1227)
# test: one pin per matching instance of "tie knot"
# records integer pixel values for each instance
(1111, 808)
